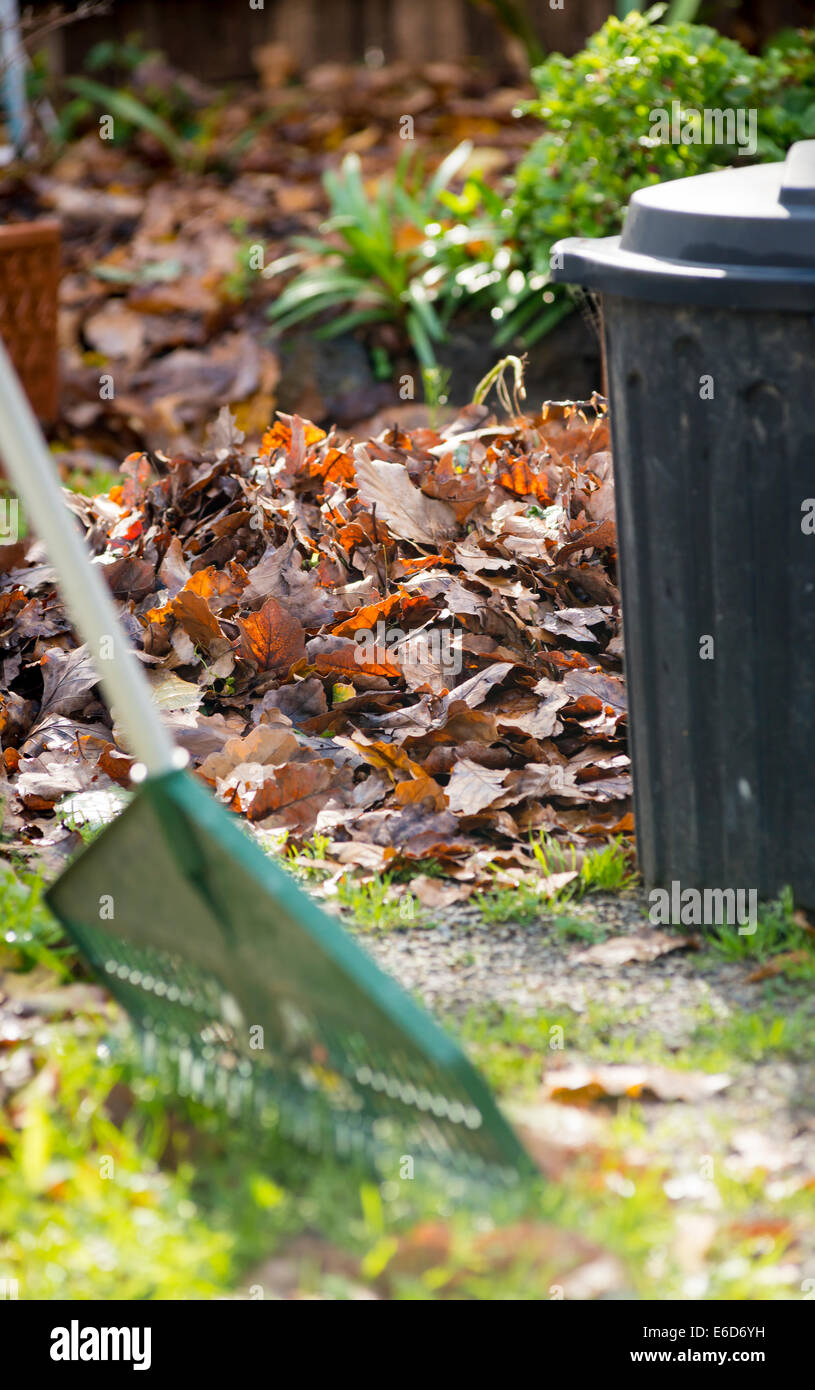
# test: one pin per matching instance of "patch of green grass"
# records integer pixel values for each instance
(608, 870)
(307, 861)
(512, 1048)
(383, 255)
(85, 1210)
(378, 904)
(758, 1036)
(605, 870)
(712, 1042)
(578, 929)
(92, 483)
(779, 929)
(29, 934)
(517, 904)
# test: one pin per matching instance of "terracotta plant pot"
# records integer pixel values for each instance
(29, 281)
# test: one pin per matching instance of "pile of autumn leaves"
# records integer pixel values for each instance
(409, 646)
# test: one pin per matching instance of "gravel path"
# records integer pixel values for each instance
(465, 962)
(765, 1118)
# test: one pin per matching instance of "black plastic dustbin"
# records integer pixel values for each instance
(709, 321)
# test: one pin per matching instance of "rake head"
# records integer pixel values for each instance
(248, 997)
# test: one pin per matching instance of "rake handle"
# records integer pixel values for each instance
(87, 597)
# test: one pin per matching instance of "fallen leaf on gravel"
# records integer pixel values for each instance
(779, 965)
(582, 1084)
(431, 892)
(637, 946)
(553, 883)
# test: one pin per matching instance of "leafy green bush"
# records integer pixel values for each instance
(598, 149)
(789, 78)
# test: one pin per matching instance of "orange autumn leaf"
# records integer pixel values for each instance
(214, 583)
(407, 565)
(278, 436)
(419, 790)
(291, 796)
(223, 585)
(271, 639)
(365, 619)
(360, 531)
(391, 759)
(567, 661)
(117, 765)
(518, 477)
(11, 601)
(348, 661)
(333, 466)
(193, 613)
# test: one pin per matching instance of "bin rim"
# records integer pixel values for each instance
(600, 263)
(742, 238)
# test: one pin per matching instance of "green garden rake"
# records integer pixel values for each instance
(244, 994)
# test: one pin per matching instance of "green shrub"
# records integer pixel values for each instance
(789, 80)
(597, 148)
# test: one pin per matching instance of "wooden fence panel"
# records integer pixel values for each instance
(214, 39)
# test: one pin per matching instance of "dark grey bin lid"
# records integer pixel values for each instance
(739, 237)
